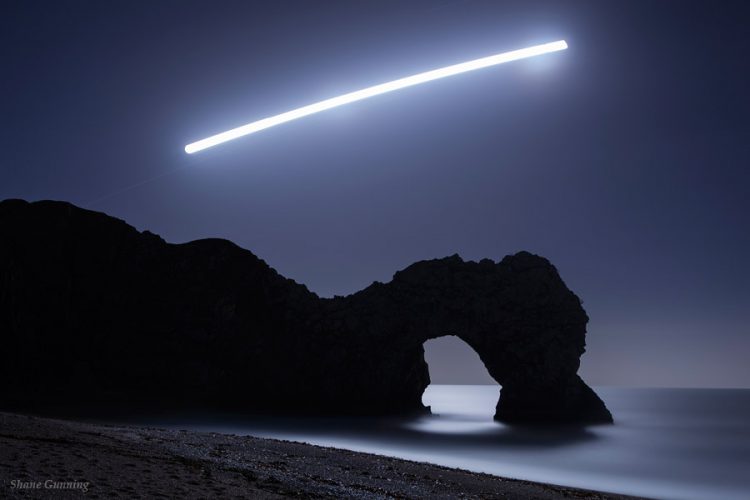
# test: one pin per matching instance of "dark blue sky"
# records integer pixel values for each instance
(624, 159)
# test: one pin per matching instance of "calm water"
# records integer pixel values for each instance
(666, 443)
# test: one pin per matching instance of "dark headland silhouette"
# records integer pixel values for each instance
(94, 314)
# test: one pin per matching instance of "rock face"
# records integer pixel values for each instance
(94, 313)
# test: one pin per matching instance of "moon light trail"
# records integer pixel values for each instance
(358, 95)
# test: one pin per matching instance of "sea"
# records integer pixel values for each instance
(691, 444)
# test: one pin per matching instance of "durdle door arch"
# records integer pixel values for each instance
(208, 324)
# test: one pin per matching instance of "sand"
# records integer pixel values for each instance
(49, 458)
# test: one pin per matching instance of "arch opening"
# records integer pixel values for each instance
(460, 384)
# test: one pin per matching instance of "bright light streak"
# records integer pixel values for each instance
(358, 95)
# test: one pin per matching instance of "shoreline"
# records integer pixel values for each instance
(43, 457)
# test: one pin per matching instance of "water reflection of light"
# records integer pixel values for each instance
(445, 425)
(457, 409)
(461, 401)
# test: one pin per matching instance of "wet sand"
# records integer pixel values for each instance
(48, 458)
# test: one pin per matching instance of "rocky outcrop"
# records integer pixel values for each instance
(94, 313)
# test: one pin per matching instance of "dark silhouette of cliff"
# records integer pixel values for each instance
(94, 313)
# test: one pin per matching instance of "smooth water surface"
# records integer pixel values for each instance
(666, 443)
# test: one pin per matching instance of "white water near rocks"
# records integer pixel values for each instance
(666, 443)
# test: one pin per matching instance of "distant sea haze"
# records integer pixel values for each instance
(691, 444)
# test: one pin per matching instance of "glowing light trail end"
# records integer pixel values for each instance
(358, 95)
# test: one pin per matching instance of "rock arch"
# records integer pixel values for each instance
(129, 319)
(526, 326)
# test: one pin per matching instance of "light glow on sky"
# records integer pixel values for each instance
(358, 95)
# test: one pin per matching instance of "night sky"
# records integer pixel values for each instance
(624, 160)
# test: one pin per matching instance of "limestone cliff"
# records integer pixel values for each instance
(94, 313)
